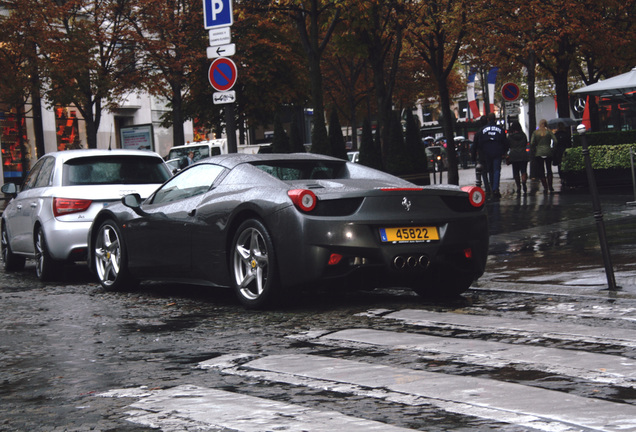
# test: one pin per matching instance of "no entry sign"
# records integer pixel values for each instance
(222, 74)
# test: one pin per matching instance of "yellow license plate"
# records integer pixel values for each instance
(409, 234)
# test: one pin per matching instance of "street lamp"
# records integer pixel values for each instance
(598, 213)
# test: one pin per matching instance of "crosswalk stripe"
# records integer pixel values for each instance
(595, 367)
(189, 407)
(565, 331)
(545, 405)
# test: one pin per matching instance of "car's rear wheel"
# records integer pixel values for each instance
(253, 265)
(111, 263)
(10, 261)
(46, 268)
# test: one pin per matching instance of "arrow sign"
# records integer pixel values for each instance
(222, 74)
(221, 51)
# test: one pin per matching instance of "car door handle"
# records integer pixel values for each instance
(34, 205)
(19, 206)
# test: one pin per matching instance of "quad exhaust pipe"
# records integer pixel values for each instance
(402, 262)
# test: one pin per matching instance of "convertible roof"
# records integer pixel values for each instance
(233, 159)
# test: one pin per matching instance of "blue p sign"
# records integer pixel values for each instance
(217, 13)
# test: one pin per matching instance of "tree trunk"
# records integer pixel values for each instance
(36, 99)
(562, 92)
(319, 137)
(449, 131)
(178, 136)
(532, 99)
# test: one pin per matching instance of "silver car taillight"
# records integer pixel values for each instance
(64, 206)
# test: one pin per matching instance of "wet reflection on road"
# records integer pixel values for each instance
(556, 233)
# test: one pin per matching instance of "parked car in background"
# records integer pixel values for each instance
(201, 149)
(353, 156)
(269, 223)
(49, 216)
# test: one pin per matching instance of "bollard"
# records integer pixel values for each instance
(598, 213)
(478, 168)
(631, 159)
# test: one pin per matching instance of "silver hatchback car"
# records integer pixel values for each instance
(49, 216)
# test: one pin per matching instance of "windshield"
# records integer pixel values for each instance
(103, 170)
(200, 151)
(303, 169)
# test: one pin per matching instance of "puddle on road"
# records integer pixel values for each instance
(164, 326)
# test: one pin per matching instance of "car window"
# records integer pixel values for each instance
(200, 152)
(188, 183)
(117, 169)
(29, 181)
(303, 169)
(46, 173)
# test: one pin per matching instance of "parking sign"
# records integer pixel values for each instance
(217, 13)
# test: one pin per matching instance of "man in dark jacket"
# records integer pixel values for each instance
(477, 155)
(494, 145)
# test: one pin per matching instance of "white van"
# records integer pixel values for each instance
(201, 149)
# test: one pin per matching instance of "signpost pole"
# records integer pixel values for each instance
(230, 128)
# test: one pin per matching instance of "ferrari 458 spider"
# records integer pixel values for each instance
(266, 224)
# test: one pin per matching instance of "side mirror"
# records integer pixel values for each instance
(10, 189)
(132, 201)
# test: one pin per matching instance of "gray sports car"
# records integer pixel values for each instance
(265, 224)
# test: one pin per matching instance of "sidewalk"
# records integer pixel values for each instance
(550, 243)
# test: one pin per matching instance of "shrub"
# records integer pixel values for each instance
(602, 156)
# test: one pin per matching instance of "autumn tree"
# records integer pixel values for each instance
(272, 70)
(345, 73)
(315, 21)
(18, 61)
(86, 56)
(170, 40)
(379, 27)
(613, 27)
(438, 32)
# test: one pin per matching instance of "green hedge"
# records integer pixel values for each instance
(602, 156)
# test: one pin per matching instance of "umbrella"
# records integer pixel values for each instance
(615, 86)
(553, 123)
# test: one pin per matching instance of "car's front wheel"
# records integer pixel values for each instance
(253, 265)
(111, 263)
(46, 268)
(10, 261)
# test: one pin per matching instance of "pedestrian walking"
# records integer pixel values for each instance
(563, 141)
(518, 156)
(494, 143)
(542, 146)
(478, 156)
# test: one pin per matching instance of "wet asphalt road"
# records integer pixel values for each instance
(65, 343)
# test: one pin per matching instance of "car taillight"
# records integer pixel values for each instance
(304, 199)
(64, 206)
(476, 195)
